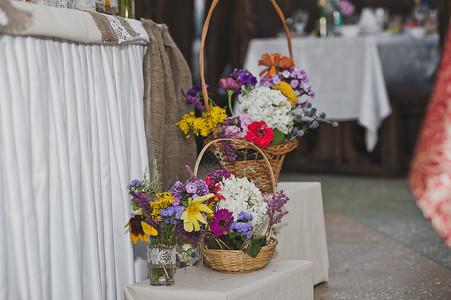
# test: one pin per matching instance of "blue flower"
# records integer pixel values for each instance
(133, 183)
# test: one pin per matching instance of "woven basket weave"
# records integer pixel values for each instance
(236, 261)
(251, 166)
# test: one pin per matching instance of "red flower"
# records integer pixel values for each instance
(260, 134)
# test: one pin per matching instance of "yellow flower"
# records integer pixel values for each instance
(140, 229)
(162, 201)
(287, 90)
(203, 125)
(192, 214)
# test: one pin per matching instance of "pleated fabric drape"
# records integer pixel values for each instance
(430, 168)
(72, 137)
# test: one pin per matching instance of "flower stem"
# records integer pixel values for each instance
(211, 100)
(230, 102)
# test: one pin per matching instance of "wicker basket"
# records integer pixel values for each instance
(252, 165)
(236, 261)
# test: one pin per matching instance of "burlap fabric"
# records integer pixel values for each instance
(13, 20)
(166, 77)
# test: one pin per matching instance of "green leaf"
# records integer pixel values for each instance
(135, 205)
(256, 246)
(279, 137)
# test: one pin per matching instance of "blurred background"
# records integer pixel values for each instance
(235, 23)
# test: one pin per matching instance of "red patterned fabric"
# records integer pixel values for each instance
(430, 169)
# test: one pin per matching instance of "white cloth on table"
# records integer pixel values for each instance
(71, 139)
(75, 25)
(280, 279)
(345, 74)
(406, 60)
(302, 232)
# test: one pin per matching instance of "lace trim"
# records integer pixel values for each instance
(161, 256)
(119, 29)
(108, 34)
(127, 27)
(114, 30)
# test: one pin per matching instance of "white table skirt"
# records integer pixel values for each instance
(345, 74)
(302, 232)
(280, 279)
(71, 138)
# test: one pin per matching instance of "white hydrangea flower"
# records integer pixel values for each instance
(242, 195)
(266, 104)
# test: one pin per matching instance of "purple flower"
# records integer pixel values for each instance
(244, 216)
(202, 187)
(243, 76)
(286, 73)
(140, 198)
(232, 131)
(222, 219)
(346, 7)
(274, 206)
(179, 211)
(170, 210)
(242, 228)
(134, 183)
(294, 83)
(191, 187)
(194, 96)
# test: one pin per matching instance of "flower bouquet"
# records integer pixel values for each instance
(270, 113)
(220, 213)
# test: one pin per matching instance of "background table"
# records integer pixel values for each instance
(280, 279)
(302, 232)
(347, 75)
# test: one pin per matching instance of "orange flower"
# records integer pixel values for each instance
(273, 62)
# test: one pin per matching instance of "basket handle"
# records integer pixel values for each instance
(204, 35)
(201, 153)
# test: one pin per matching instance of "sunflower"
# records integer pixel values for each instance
(140, 229)
(192, 215)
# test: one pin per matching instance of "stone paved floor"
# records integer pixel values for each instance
(380, 245)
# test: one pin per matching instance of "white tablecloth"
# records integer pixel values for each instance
(406, 60)
(302, 232)
(346, 74)
(280, 279)
(71, 138)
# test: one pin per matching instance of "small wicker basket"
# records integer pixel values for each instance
(236, 261)
(252, 166)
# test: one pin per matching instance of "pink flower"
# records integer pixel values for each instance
(260, 134)
(346, 7)
(222, 220)
(230, 85)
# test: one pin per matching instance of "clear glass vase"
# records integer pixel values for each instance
(161, 262)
